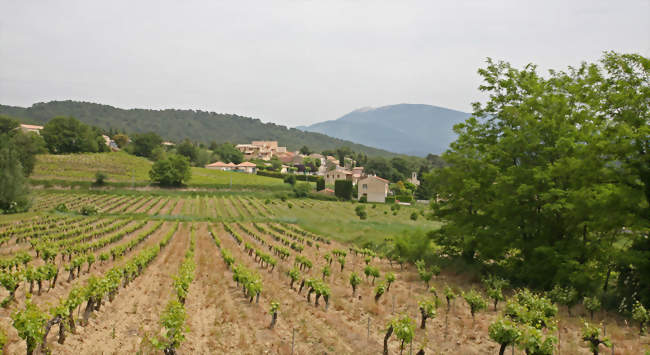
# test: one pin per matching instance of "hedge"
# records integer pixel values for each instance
(343, 189)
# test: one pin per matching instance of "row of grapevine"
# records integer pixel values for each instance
(33, 324)
(173, 317)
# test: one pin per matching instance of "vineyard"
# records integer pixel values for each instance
(233, 273)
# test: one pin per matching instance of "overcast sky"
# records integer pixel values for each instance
(294, 62)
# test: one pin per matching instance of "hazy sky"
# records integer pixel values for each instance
(294, 62)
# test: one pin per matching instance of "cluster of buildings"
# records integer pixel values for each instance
(373, 188)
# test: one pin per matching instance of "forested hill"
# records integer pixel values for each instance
(176, 125)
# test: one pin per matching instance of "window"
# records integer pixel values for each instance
(365, 186)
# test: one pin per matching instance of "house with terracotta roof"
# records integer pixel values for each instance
(374, 188)
(31, 128)
(245, 167)
(219, 166)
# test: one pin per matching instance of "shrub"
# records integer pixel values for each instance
(100, 178)
(364, 199)
(61, 207)
(390, 199)
(475, 301)
(290, 179)
(171, 171)
(320, 184)
(505, 332)
(89, 210)
(343, 189)
(302, 189)
(414, 216)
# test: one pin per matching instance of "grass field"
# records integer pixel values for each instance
(124, 168)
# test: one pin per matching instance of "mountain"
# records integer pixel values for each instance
(404, 128)
(176, 125)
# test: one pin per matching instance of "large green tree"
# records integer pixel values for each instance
(171, 171)
(143, 145)
(65, 135)
(548, 173)
(26, 145)
(14, 194)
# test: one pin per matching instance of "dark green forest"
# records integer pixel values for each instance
(176, 125)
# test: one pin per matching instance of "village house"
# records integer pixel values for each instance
(264, 150)
(333, 175)
(245, 167)
(374, 188)
(31, 128)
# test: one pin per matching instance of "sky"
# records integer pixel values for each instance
(295, 62)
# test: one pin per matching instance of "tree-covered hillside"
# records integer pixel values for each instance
(176, 125)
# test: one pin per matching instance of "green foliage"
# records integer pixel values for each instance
(173, 321)
(188, 150)
(121, 140)
(3, 340)
(494, 288)
(30, 325)
(404, 329)
(320, 184)
(475, 301)
(414, 216)
(290, 179)
(592, 304)
(360, 211)
(14, 193)
(274, 307)
(534, 342)
(64, 135)
(371, 271)
(171, 171)
(143, 144)
(529, 308)
(89, 210)
(380, 289)
(567, 296)
(302, 189)
(540, 177)
(343, 189)
(227, 153)
(100, 178)
(591, 334)
(504, 331)
(354, 280)
(641, 315)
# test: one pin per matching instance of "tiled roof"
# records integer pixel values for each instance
(218, 164)
(247, 164)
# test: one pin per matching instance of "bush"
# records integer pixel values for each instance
(100, 178)
(364, 199)
(89, 210)
(343, 189)
(290, 179)
(390, 199)
(302, 189)
(320, 184)
(414, 216)
(404, 198)
(61, 207)
(171, 171)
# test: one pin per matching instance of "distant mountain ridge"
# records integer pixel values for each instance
(176, 125)
(412, 129)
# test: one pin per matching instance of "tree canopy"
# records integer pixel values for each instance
(172, 170)
(64, 135)
(551, 172)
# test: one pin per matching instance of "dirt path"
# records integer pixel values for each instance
(120, 326)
